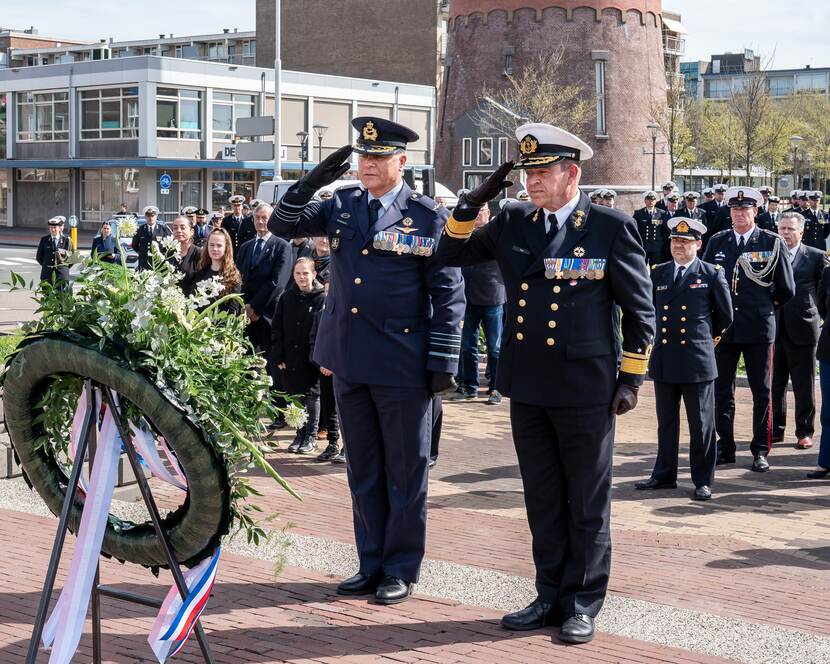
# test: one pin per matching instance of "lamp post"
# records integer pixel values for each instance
(653, 128)
(320, 131)
(794, 141)
(302, 137)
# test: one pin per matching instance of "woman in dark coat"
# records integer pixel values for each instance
(291, 348)
(186, 260)
(217, 261)
(105, 245)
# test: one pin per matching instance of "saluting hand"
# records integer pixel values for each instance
(327, 171)
(470, 203)
(625, 399)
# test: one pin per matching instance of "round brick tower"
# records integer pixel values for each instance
(618, 40)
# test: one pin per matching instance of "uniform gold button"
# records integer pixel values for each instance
(682, 319)
(520, 336)
(665, 317)
(365, 252)
(522, 303)
(337, 232)
(550, 342)
(358, 280)
(406, 330)
(525, 286)
(554, 307)
(736, 308)
(683, 343)
(663, 330)
(521, 319)
(665, 307)
(665, 341)
(354, 310)
(551, 324)
(683, 331)
(683, 307)
(556, 289)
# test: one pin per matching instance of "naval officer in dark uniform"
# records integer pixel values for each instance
(52, 253)
(651, 223)
(694, 309)
(238, 223)
(761, 280)
(390, 333)
(565, 263)
(149, 232)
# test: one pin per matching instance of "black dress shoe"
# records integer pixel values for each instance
(703, 493)
(432, 462)
(536, 615)
(777, 438)
(577, 629)
(818, 474)
(651, 484)
(393, 590)
(725, 458)
(359, 584)
(760, 464)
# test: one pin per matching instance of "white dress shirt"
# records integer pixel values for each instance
(562, 214)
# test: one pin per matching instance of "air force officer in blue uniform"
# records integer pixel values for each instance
(565, 264)
(694, 309)
(390, 333)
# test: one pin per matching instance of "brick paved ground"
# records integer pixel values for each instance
(758, 552)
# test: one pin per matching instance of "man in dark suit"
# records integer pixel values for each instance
(761, 280)
(816, 224)
(266, 268)
(694, 309)
(233, 222)
(147, 233)
(52, 252)
(651, 224)
(565, 263)
(390, 333)
(797, 332)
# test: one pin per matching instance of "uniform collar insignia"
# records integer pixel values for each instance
(578, 219)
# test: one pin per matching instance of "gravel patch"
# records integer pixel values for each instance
(695, 631)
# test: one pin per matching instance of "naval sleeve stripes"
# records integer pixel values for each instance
(442, 344)
(287, 212)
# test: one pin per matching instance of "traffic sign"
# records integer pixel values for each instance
(165, 181)
(164, 192)
(73, 221)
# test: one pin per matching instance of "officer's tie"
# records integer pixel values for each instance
(374, 209)
(257, 251)
(741, 245)
(679, 276)
(555, 235)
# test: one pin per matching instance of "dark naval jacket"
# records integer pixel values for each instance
(691, 318)
(753, 305)
(654, 232)
(558, 343)
(392, 313)
(52, 260)
(816, 228)
(799, 319)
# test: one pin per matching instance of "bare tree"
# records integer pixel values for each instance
(676, 116)
(535, 94)
(719, 142)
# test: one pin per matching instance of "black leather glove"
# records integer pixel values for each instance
(470, 203)
(327, 171)
(441, 382)
(625, 399)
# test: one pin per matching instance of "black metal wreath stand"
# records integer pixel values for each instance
(88, 440)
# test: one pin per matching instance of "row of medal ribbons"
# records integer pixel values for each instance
(401, 243)
(575, 268)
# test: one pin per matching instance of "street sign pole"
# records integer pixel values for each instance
(277, 92)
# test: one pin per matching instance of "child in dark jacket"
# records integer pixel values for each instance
(328, 407)
(291, 350)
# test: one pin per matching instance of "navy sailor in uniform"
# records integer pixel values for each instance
(694, 309)
(651, 224)
(566, 262)
(391, 334)
(760, 279)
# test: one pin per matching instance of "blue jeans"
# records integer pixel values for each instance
(824, 445)
(491, 318)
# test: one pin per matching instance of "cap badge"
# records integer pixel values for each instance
(528, 145)
(369, 132)
(682, 227)
(740, 194)
(579, 252)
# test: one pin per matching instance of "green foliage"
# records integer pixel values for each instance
(197, 355)
(7, 345)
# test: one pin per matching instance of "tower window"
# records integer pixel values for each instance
(467, 152)
(599, 69)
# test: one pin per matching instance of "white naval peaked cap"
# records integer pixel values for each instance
(743, 197)
(152, 209)
(543, 144)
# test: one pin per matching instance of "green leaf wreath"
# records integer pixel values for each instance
(195, 353)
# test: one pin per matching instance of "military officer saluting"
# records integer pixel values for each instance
(651, 223)
(760, 279)
(391, 335)
(694, 309)
(565, 263)
(52, 252)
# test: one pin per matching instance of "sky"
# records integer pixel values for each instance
(786, 34)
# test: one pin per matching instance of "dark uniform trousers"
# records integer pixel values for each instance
(692, 315)
(559, 369)
(798, 327)
(752, 333)
(391, 317)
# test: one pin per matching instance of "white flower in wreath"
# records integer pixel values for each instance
(295, 417)
(173, 300)
(127, 227)
(170, 244)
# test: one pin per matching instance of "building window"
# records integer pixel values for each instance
(4, 198)
(216, 51)
(811, 82)
(3, 132)
(42, 116)
(508, 64)
(110, 113)
(781, 86)
(186, 189)
(43, 174)
(599, 69)
(104, 189)
(485, 151)
(227, 109)
(249, 48)
(503, 148)
(178, 113)
(225, 184)
(467, 152)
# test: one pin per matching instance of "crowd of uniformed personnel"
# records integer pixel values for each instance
(374, 318)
